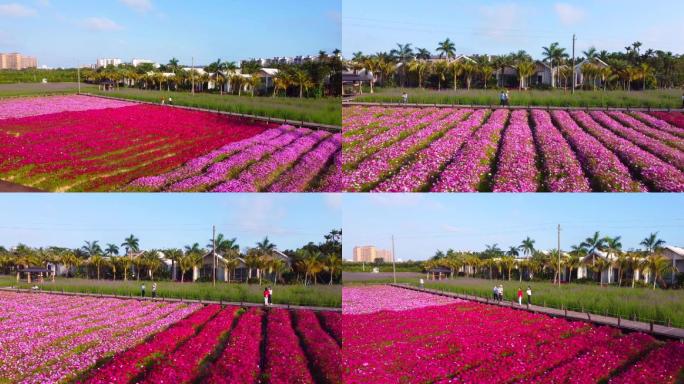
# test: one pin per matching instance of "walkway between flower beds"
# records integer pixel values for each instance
(629, 325)
(6, 186)
(511, 107)
(175, 300)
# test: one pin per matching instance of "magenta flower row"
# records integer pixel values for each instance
(661, 175)
(661, 123)
(516, 169)
(358, 300)
(386, 159)
(662, 150)
(285, 360)
(324, 353)
(474, 159)
(657, 134)
(607, 172)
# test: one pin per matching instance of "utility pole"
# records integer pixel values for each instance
(559, 256)
(394, 265)
(574, 38)
(213, 250)
(192, 75)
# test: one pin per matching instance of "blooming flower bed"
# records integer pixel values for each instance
(476, 343)
(322, 350)
(409, 149)
(79, 143)
(47, 338)
(34, 106)
(285, 359)
(357, 300)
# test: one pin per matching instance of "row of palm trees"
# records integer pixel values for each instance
(650, 68)
(306, 266)
(172, 76)
(496, 261)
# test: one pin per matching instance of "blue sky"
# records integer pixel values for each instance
(167, 220)
(497, 27)
(423, 223)
(68, 32)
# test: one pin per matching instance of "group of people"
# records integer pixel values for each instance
(268, 296)
(154, 290)
(170, 102)
(497, 293)
(504, 98)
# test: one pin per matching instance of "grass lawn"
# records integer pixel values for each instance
(39, 89)
(319, 295)
(560, 98)
(646, 304)
(322, 111)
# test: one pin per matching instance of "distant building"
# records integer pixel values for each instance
(137, 62)
(17, 61)
(107, 62)
(370, 253)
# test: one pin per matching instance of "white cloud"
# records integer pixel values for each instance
(141, 6)
(101, 24)
(16, 10)
(569, 14)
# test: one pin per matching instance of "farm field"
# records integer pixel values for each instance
(502, 150)
(81, 143)
(662, 98)
(322, 111)
(425, 338)
(315, 296)
(40, 89)
(49, 338)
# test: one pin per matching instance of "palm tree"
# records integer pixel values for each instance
(613, 247)
(403, 53)
(623, 262)
(594, 242)
(652, 243)
(112, 250)
(440, 68)
(301, 79)
(420, 68)
(598, 266)
(152, 262)
(91, 248)
(312, 266)
(508, 262)
(254, 82)
(98, 261)
(525, 70)
(658, 265)
(216, 69)
(573, 261)
(469, 69)
(527, 246)
(131, 243)
(591, 53)
(372, 65)
(446, 48)
(456, 69)
(333, 264)
(423, 54)
(281, 81)
(644, 71)
(252, 261)
(487, 71)
(513, 251)
(554, 54)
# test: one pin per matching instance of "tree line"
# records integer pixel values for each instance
(408, 66)
(525, 261)
(310, 264)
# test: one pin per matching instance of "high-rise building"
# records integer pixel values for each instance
(368, 254)
(17, 61)
(107, 62)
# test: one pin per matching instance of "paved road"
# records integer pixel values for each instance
(629, 325)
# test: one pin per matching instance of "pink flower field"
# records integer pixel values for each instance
(48, 338)
(80, 143)
(467, 342)
(501, 150)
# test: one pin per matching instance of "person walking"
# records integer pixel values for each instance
(422, 283)
(270, 296)
(502, 98)
(142, 290)
(170, 100)
(154, 290)
(520, 295)
(266, 295)
(507, 99)
(495, 293)
(501, 292)
(404, 98)
(529, 295)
